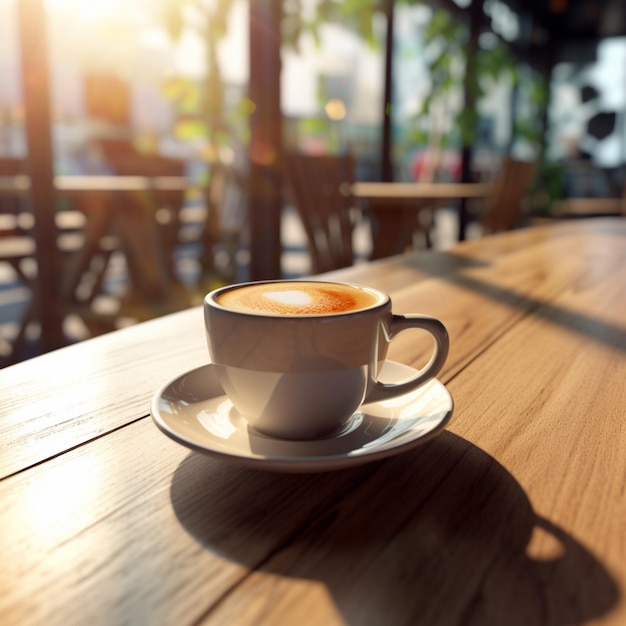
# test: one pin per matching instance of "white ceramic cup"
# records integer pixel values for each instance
(301, 375)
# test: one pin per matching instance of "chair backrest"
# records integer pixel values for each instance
(159, 206)
(125, 160)
(321, 191)
(12, 166)
(169, 200)
(503, 205)
(16, 217)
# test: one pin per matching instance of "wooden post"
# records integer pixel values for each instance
(469, 97)
(386, 160)
(265, 191)
(35, 84)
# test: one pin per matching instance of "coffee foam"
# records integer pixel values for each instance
(297, 298)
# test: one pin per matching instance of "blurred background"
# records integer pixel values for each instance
(143, 142)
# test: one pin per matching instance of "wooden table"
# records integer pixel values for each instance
(515, 514)
(419, 191)
(588, 207)
(396, 209)
(20, 185)
(125, 212)
(127, 207)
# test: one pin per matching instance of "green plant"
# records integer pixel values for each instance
(451, 68)
(529, 125)
(200, 105)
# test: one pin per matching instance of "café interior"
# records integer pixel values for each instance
(152, 151)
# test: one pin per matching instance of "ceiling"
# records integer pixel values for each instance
(578, 21)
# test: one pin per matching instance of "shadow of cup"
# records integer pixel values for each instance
(438, 535)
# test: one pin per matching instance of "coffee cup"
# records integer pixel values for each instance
(297, 358)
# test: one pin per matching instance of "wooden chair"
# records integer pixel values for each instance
(502, 208)
(321, 191)
(17, 249)
(165, 204)
(12, 204)
(143, 225)
(161, 206)
(223, 228)
(216, 227)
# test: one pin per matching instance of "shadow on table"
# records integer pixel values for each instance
(450, 266)
(440, 535)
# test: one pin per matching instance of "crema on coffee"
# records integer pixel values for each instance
(297, 298)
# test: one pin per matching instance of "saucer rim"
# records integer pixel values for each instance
(296, 464)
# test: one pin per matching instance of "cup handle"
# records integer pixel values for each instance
(381, 391)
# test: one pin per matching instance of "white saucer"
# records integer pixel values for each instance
(193, 410)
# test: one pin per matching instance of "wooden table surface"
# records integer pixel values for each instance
(515, 514)
(419, 191)
(20, 185)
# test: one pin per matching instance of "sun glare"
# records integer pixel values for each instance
(94, 11)
(335, 109)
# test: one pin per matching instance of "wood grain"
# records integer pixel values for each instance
(60, 400)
